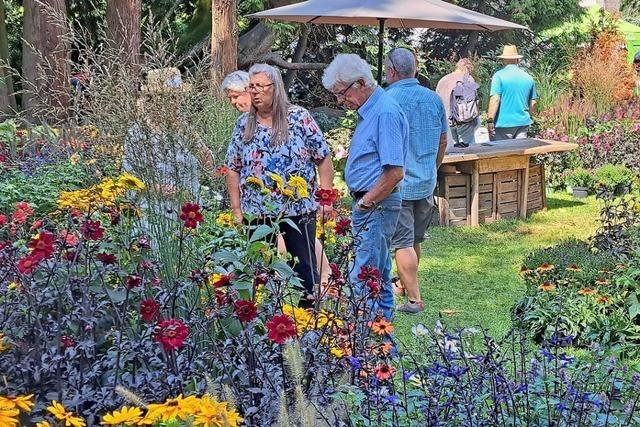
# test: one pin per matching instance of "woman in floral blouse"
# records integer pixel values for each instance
(272, 161)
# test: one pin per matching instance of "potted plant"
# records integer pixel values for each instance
(581, 182)
(616, 177)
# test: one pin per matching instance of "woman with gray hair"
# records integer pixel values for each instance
(234, 87)
(272, 161)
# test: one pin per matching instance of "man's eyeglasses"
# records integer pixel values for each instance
(258, 88)
(342, 93)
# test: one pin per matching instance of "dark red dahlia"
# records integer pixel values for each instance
(149, 310)
(221, 297)
(245, 310)
(281, 328)
(368, 272)
(191, 215)
(133, 281)
(106, 258)
(343, 226)
(171, 333)
(91, 230)
(67, 341)
(3, 220)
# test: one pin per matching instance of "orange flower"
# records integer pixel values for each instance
(602, 281)
(382, 350)
(525, 271)
(587, 291)
(545, 267)
(381, 326)
(574, 268)
(547, 286)
(384, 372)
(603, 300)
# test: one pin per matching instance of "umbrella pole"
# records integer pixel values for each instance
(380, 48)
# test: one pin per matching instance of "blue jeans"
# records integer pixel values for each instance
(373, 231)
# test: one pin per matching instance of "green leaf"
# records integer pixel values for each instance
(260, 233)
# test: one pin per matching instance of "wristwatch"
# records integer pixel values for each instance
(365, 206)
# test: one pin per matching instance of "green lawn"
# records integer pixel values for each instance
(469, 276)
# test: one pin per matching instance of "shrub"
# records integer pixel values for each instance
(613, 175)
(580, 177)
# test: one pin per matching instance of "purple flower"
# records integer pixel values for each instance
(354, 363)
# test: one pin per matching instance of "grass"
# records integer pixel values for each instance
(469, 276)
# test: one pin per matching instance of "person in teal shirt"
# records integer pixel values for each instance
(513, 99)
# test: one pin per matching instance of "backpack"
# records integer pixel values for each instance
(464, 101)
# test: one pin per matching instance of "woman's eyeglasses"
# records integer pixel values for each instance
(258, 88)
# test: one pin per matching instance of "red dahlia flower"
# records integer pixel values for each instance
(343, 226)
(222, 298)
(22, 213)
(68, 238)
(36, 225)
(149, 310)
(27, 264)
(171, 333)
(327, 197)
(67, 341)
(281, 328)
(223, 280)
(41, 245)
(191, 215)
(106, 258)
(368, 272)
(92, 230)
(245, 310)
(133, 281)
(3, 220)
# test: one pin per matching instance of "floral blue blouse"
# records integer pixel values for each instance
(269, 174)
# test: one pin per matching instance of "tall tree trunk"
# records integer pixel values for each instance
(224, 40)
(123, 29)
(45, 59)
(301, 48)
(7, 97)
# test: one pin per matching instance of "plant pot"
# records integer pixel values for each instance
(622, 189)
(580, 192)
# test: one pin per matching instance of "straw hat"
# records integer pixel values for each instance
(165, 79)
(510, 51)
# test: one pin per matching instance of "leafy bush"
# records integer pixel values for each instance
(40, 187)
(581, 178)
(613, 175)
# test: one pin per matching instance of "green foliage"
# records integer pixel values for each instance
(42, 187)
(582, 178)
(613, 175)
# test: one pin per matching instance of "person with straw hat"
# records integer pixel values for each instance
(513, 99)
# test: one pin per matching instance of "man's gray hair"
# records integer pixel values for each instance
(280, 107)
(238, 81)
(403, 61)
(347, 68)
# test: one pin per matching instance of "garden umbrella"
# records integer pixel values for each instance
(436, 14)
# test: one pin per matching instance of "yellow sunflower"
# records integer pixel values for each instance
(277, 179)
(287, 192)
(24, 403)
(300, 184)
(130, 182)
(225, 219)
(8, 413)
(255, 181)
(126, 415)
(57, 410)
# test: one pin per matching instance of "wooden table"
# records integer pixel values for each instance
(511, 158)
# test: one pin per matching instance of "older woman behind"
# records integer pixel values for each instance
(273, 145)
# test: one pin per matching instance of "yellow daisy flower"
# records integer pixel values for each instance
(300, 184)
(130, 182)
(287, 192)
(57, 410)
(126, 415)
(8, 413)
(277, 179)
(255, 181)
(24, 403)
(225, 219)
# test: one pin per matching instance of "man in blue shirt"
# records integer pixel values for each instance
(426, 148)
(513, 99)
(373, 173)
